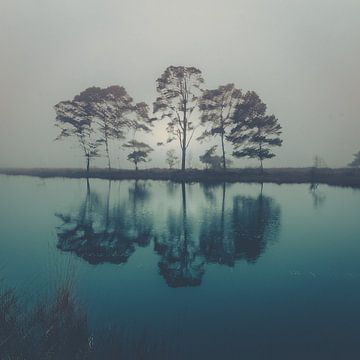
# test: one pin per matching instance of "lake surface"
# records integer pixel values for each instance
(218, 271)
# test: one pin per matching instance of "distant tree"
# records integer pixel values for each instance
(140, 152)
(115, 112)
(171, 158)
(179, 91)
(211, 160)
(254, 133)
(74, 119)
(319, 162)
(217, 108)
(356, 161)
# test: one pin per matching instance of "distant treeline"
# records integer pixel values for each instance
(312, 175)
(97, 116)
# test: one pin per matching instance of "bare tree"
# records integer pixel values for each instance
(217, 107)
(179, 89)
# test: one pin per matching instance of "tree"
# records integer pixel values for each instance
(114, 111)
(217, 107)
(356, 161)
(171, 158)
(210, 159)
(254, 133)
(179, 91)
(140, 152)
(74, 119)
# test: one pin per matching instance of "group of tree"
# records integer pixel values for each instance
(97, 116)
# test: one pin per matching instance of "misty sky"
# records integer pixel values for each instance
(301, 56)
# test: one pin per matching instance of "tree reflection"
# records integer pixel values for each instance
(256, 222)
(103, 233)
(241, 232)
(317, 195)
(108, 230)
(180, 263)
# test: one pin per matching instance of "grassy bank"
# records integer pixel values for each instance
(340, 177)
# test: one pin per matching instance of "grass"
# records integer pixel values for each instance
(57, 328)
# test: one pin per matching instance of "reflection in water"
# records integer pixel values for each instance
(318, 196)
(237, 227)
(180, 264)
(256, 222)
(99, 233)
(241, 233)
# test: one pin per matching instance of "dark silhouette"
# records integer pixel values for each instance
(217, 108)
(211, 160)
(75, 119)
(255, 222)
(98, 115)
(179, 91)
(140, 152)
(180, 263)
(254, 133)
(241, 233)
(103, 233)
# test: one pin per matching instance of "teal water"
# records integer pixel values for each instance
(220, 271)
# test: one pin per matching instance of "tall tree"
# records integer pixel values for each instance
(254, 133)
(74, 119)
(356, 161)
(179, 89)
(217, 107)
(140, 152)
(115, 113)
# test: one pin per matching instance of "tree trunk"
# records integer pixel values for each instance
(136, 166)
(183, 158)
(223, 150)
(108, 154)
(87, 164)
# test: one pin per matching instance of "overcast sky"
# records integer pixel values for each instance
(301, 56)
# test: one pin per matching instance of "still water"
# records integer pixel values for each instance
(230, 271)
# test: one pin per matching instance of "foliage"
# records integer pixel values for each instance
(254, 133)
(179, 89)
(140, 152)
(217, 107)
(74, 119)
(114, 112)
(210, 159)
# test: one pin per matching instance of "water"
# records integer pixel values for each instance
(219, 271)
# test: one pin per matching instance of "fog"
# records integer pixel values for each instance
(301, 56)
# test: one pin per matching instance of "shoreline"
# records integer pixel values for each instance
(347, 177)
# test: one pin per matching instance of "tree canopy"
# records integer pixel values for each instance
(140, 152)
(254, 133)
(217, 107)
(74, 119)
(179, 89)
